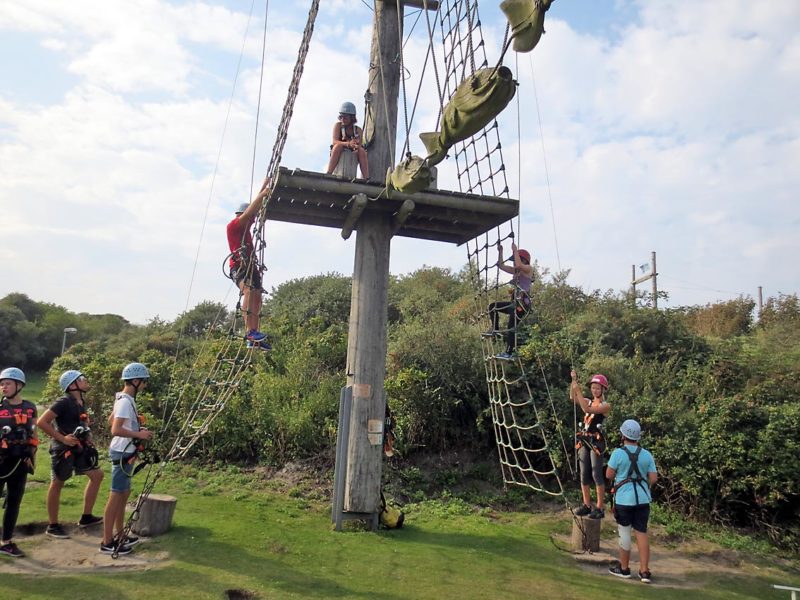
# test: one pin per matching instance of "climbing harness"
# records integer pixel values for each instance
(635, 477)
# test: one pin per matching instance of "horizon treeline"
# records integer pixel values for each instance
(714, 389)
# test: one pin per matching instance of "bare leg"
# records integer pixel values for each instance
(114, 515)
(363, 163)
(251, 306)
(643, 543)
(601, 495)
(625, 557)
(53, 500)
(586, 493)
(336, 152)
(90, 493)
(119, 524)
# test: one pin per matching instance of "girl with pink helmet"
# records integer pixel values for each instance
(591, 442)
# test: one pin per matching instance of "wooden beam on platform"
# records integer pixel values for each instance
(473, 202)
(427, 4)
(356, 208)
(401, 215)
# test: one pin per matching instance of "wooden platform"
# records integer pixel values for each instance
(310, 198)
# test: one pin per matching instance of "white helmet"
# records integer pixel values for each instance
(631, 430)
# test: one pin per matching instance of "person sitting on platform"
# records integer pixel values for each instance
(520, 304)
(347, 136)
(245, 270)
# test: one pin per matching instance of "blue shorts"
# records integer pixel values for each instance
(633, 515)
(121, 471)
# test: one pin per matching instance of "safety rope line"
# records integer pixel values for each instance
(258, 102)
(233, 358)
(210, 195)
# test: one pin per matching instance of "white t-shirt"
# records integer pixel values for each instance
(125, 408)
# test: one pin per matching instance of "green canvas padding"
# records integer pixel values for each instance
(526, 18)
(478, 100)
(411, 175)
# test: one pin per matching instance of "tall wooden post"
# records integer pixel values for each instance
(366, 347)
(760, 301)
(655, 279)
(652, 275)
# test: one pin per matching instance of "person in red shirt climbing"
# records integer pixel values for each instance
(245, 270)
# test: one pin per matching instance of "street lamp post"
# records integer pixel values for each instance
(64, 339)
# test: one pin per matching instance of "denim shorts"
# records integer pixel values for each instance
(121, 470)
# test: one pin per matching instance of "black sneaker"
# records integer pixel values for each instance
(89, 520)
(56, 531)
(583, 511)
(10, 549)
(131, 540)
(110, 548)
(618, 571)
(597, 513)
(645, 576)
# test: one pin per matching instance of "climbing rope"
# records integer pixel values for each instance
(211, 389)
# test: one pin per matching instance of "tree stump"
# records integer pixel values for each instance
(155, 515)
(348, 164)
(586, 534)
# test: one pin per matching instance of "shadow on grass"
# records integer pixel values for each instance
(504, 546)
(194, 546)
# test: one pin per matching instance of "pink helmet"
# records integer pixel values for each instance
(601, 379)
(525, 255)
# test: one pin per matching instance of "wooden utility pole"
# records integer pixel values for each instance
(366, 347)
(653, 274)
(760, 301)
(352, 205)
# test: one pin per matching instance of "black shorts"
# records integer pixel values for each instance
(64, 463)
(633, 515)
(251, 280)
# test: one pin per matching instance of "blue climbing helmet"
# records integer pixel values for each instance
(135, 371)
(68, 378)
(631, 430)
(242, 207)
(14, 374)
(348, 108)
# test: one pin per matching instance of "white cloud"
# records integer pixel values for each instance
(679, 134)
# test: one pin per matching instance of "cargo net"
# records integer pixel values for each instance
(522, 410)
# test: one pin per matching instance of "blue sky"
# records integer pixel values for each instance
(665, 128)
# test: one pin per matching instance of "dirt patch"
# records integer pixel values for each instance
(79, 553)
(685, 565)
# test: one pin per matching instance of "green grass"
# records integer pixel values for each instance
(232, 531)
(34, 388)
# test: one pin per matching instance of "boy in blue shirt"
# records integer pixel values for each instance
(633, 471)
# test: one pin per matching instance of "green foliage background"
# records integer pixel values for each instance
(714, 390)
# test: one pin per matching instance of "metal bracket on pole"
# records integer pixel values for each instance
(358, 206)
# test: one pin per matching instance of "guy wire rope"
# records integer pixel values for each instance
(179, 448)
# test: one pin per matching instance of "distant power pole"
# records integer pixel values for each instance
(760, 301)
(653, 274)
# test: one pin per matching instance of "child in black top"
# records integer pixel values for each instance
(18, 443)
